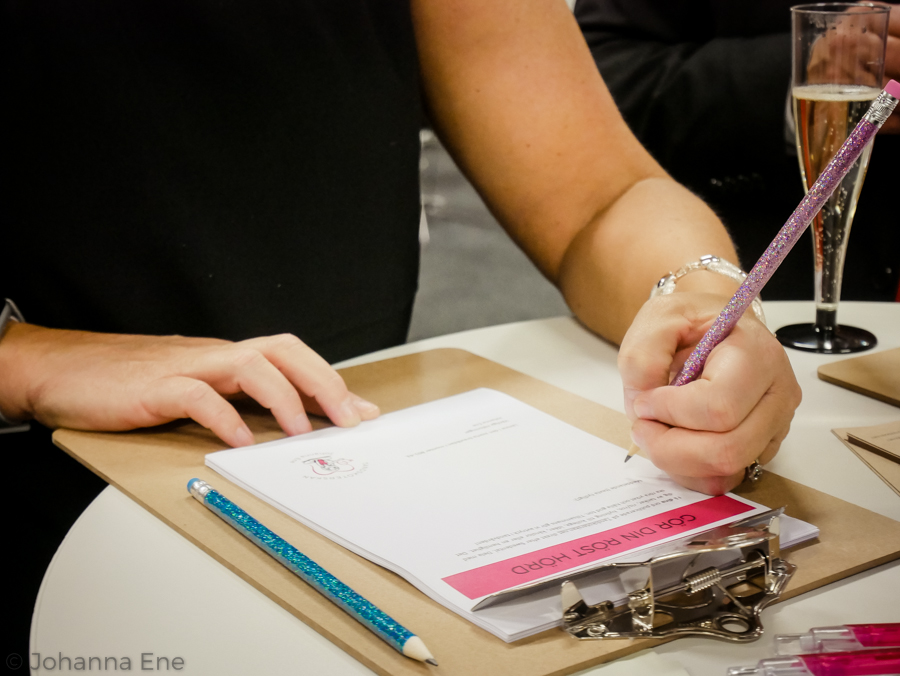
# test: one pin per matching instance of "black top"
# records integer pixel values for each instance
(704, 85)
(200, 167)
(226, 169)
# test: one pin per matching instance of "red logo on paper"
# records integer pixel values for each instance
(326, 466)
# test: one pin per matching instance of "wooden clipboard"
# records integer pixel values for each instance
(875, 375)
(154, 466)
(887, 470)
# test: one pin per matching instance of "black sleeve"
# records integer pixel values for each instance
(703, 84)
(702, 92)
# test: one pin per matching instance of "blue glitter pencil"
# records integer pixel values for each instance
(790, 232)
(370, 616)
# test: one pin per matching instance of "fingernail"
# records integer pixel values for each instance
(349, 414)
(301, 424)
(244, 436)
(635, 440)
(642, 408)
(367, 410)
(629, 395)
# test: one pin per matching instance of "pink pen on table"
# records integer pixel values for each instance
(840, 638)
(790, 232)
(874, 662)
(784, 241)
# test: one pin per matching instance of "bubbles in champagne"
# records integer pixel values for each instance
(824, 116)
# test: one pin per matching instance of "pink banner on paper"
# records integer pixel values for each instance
(524, 568)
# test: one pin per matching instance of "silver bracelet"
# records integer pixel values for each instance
(10, 313)
(666, 285)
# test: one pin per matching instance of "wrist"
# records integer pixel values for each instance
(12, 418)
(704, 281)
(709, 274)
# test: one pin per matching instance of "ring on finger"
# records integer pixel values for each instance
(753, 473)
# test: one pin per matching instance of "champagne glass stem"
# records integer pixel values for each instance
(831, 231)
(837, 71)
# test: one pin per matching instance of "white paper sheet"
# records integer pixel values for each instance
(477, 493)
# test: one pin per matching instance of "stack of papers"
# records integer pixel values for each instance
(879, 447)
(479, 493)
(881, 439)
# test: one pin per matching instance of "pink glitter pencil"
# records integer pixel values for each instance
(803, 215)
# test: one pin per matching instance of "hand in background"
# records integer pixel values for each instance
(705, 433)
(824, 67)
(98, 381)
(846, 55)
(892, 66)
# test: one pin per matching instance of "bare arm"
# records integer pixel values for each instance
(515, 96)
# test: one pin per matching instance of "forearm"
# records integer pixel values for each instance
(13, 381)
(521, 106)
(518, 102)
(654, 228)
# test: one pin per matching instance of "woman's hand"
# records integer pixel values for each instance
(705, 433)
(892, 65)
(102, 381)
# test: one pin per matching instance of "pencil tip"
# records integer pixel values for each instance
(628, 457)
(416, 649)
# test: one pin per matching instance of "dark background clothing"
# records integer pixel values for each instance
(704, 86)
(213, 169)
(224, 169)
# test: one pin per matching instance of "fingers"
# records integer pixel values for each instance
(717, 485)
(892, 54)
(737, 374)
(175, 397)
(704, 434)
(240, 368)
(892, 67)
(281, 373)
(648, 350)
(119, 382)
(711, 485)
(714, 462)
(315, 379)
(702, 453)
(367, 410)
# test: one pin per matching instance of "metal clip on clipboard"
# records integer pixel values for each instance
(715, 586)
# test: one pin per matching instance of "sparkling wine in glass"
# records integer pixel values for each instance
(838, 68)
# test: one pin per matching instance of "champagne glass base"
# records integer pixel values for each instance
(841, 339)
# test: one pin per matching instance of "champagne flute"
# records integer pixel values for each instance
(838, 66)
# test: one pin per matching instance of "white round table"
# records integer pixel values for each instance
(123, 584)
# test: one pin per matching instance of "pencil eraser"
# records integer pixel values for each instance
(191, 483)
(893, 88)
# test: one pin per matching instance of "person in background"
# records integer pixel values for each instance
(705, 86)
(206, 200)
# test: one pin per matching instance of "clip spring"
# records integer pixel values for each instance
(722, 601)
